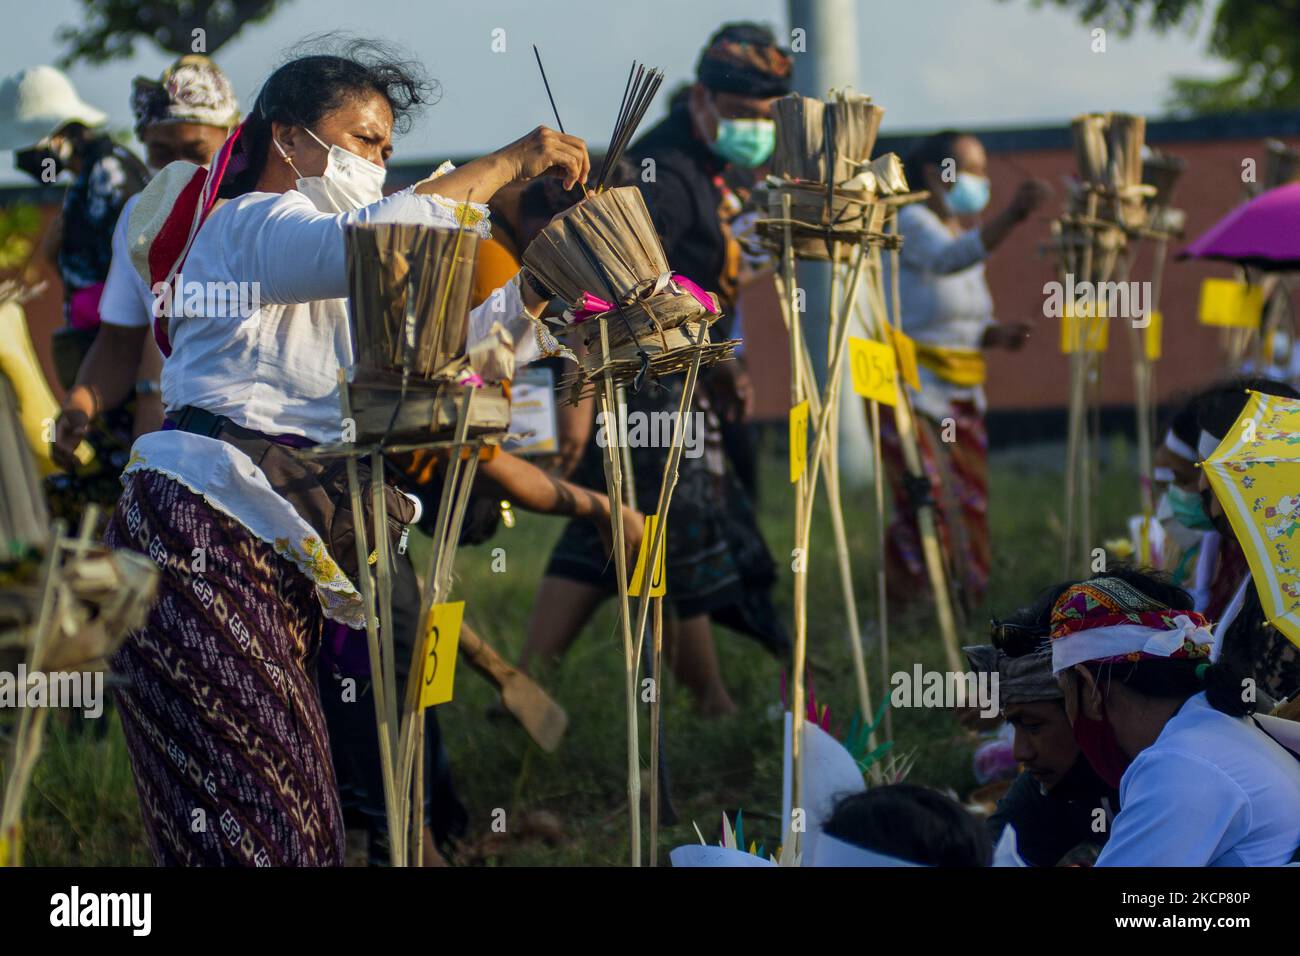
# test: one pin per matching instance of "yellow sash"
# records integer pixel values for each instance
(958, 366)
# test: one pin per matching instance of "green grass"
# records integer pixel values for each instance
(82, 809)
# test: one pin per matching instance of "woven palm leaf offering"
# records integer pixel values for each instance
(604, 258)
(822, 162)
(1108, 150)
(409, 290)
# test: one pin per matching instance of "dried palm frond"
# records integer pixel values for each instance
(813, 137)
(606, 246)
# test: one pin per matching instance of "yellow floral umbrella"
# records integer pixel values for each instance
(1255, 474)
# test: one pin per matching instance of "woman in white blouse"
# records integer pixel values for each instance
(222, 719)
(948, 311)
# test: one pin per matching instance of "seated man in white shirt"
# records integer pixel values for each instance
(1200, 783)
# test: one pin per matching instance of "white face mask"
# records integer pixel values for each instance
(348, 183)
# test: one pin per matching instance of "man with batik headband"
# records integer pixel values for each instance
(185, 115)
(1058, 807)
(1200, 784)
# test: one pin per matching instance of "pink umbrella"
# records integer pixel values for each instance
(1264, 232)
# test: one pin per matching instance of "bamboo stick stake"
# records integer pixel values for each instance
(842, 555)
(384, 595)
(435, 585)
(882, 593)
(666, 487)
(396, 855)
(838, 320)
(613, 479)
(655, 715)
(796, 393)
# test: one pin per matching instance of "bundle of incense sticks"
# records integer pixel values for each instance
(812, 135)
(640, 89)
(410, 288)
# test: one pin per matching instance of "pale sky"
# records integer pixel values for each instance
(930, 63)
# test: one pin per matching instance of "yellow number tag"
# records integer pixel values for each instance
(906, 349)
(1231, 304)
(11, 846)
(440, 653)
(1152, 335)
(874, 370)
(798, 441)
(658, 584)
(1087, 326)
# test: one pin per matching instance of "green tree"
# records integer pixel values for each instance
(111, 27)
(1260, 39)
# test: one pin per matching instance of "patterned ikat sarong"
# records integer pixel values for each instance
(224, 727)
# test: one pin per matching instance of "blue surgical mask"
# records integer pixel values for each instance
(745, 142)
(1188, 509)
(969, 194)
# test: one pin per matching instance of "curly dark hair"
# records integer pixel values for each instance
(314, 84)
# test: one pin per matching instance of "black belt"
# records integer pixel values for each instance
(199, 421)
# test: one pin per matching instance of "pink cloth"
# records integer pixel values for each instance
(83, 307)
(589, 305)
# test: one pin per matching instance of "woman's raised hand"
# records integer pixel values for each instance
(543, 152)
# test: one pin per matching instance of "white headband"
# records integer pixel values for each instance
(1101, 643)
(1206, 444)
(831, 851)
(1162, 474)
(1179, 447)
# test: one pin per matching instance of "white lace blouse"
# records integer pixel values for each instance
(264, 346)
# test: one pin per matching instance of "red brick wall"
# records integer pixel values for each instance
(1036, 377)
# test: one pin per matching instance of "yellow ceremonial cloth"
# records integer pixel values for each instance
(959, 366)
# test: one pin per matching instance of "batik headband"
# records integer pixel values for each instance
(192, 90)
(1107, 620)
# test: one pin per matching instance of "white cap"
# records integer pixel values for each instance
(36, 102)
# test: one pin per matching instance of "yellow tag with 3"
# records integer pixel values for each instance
(798, 441)
(658, 582)
(440, 646)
